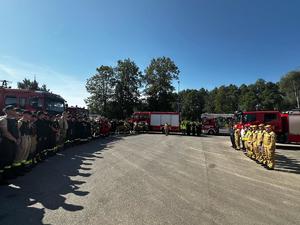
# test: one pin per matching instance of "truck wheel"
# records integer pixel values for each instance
(211, 132)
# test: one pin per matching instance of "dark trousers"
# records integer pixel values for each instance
(232, 140)
(8, 152)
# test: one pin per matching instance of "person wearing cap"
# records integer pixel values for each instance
(244, 137)
(54, 132)
(249, 142)
(33, 136)
(20, 163)
(259, 141)
(10, 142)
(63, 125)
(237, 137)
(42, 135)
(254, 143)
(231, 131)
(269, 143)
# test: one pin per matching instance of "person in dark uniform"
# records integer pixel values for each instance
(33, 136)
(53, 133)
(10, 141)
(193, 128)
(89, 129)
(25, 144)
(42, 135)
(188, 128)
(231, 131)
(78, 129)
(198, 128)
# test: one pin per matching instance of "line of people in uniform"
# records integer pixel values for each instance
(257, 142)
(191, 128)
(27, 139)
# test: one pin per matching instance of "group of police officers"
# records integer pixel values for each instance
(258, 143)
(28, 138)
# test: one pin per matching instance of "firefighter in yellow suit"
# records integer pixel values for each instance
(249, 142)
(259, 142)
(269, 143)
(237, 137)
(254, 142)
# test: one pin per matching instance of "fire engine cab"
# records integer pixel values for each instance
(31, 100)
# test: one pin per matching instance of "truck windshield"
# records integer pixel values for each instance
(248, 118)
(35, 102)
(54, 105)
(141, 117)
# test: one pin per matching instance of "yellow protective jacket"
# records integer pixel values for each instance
(260, 136)
(269, 139)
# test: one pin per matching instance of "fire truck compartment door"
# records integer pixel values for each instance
(294, 124)
(155, 120)
(175, 120)
(165, 119)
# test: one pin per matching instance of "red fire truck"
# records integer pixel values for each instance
(31, 100)
(213, 123)
(286, 125)
(157, 120)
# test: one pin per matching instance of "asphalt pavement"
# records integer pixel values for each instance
(155, 179)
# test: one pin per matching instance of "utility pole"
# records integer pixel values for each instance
(296, 92)
(178, 100)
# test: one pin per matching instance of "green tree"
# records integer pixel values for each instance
(226, 99)
(100, 87)
(128, 80)
(32, 85)
(158, 78)
(271, 97)
(192, 103)
(247, 99)
(290, 86)
(209, 106)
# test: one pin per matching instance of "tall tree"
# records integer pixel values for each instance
(247, 99)
(128, 79)
(158, 83)
(100, 87)
(290, 86)
(209, 106)
(226, 100)
(192, 103)
(32, 85)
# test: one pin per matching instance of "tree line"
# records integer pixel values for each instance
(116, 92)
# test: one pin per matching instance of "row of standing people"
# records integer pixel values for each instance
(258, 143)
(28, 138)
(191, 128)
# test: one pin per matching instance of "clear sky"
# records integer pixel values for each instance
(213, 42)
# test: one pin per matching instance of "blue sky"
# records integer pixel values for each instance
(213, 42)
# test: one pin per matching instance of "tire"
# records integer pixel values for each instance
(211, 132)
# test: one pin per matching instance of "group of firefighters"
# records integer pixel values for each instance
(28, 138)
(258, 143)
(191, 128)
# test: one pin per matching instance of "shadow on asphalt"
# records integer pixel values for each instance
(286, 164)
(24, 201)
(288, 147)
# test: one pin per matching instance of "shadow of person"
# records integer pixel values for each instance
(286, 164)
(49, 185)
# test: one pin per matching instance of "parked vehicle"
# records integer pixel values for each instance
(216, 123)
(31, 100)
(286, 125)
(157, 120)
